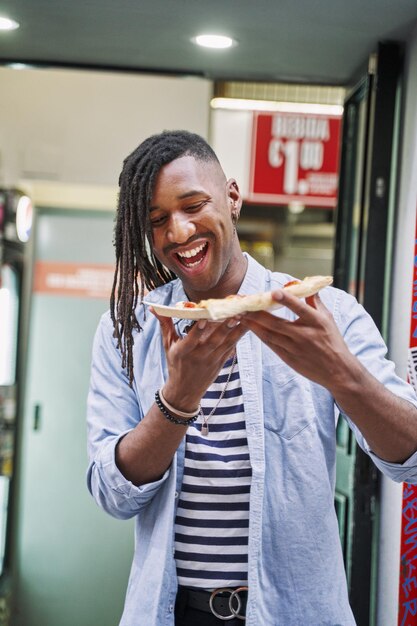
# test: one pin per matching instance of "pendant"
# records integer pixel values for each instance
(204, 425)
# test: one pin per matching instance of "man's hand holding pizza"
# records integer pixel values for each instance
(313, 346)
(195, 361)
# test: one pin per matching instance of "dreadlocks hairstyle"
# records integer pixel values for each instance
(137, 268)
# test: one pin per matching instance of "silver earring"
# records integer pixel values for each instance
(234, 222)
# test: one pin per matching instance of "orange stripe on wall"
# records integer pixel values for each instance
(79, 280)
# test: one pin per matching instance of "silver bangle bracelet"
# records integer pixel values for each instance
(177, 411)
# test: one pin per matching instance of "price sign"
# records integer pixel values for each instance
(295, 158)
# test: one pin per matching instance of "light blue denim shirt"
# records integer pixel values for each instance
(296, 574)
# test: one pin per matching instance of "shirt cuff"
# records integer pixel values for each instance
(115, 480)
(400, 472)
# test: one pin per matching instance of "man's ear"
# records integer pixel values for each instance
(234, 196)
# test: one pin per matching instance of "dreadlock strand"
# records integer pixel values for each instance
(124, 329)
(130, 290)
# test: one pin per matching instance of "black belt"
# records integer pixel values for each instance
(224, 603)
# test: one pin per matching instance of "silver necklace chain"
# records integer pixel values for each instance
(204, 425)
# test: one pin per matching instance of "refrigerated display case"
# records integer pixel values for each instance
(15, 227)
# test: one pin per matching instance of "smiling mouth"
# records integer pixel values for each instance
(193, 257)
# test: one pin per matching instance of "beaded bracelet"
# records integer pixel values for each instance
(167, 414)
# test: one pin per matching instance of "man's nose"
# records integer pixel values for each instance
(181, 228)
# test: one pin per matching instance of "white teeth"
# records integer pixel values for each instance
(190, 253)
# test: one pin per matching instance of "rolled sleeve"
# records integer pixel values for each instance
(400, 472)
(365, 342)
(113, 410)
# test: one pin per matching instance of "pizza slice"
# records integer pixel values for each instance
(221, 308)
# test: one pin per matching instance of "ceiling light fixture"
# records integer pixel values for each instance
(8, 24)
(18, 66)
(240, 104)
(214, 41)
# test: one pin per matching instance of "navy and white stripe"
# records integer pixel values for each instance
(212, 522)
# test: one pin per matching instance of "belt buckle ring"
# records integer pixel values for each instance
(234, 595)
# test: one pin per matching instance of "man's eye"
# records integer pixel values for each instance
(195, 207)
(158, 221)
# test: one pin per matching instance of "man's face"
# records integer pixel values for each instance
(192, 228)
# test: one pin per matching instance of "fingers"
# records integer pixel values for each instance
(169, 335)
(230, 323)
(296, 305)
(214, 336)
(215, 333)
(312, 301)
(316, 303)
(204, 335)
(269, 333)
(278, 331)
(228, 344)
(270, 323)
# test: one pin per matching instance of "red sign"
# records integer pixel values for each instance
(407, 610)
(295, 158)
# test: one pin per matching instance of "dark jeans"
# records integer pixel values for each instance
(190, 617)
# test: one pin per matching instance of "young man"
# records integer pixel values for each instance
(237, 494)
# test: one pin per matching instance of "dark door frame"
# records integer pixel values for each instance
(381, 90)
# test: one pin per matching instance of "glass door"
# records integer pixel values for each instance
(10, 292)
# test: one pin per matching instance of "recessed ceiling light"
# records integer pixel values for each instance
(8, 24)
(214, 41)
(18, 66)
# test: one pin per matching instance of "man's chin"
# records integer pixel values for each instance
(199, 288)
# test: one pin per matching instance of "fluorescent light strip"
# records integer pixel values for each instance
(240, 104)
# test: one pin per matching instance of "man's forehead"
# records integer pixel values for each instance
(188, 176)
(190, 162)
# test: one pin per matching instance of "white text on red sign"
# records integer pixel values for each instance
(298, 143)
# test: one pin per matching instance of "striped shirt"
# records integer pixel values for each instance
(212, 522)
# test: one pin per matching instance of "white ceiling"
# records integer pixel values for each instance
(313, 41)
